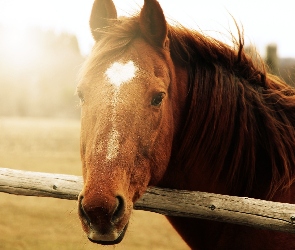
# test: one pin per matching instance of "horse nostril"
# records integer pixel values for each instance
(82, 211)
(119, 210)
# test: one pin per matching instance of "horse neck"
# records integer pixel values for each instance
(184, 170)
(232, 159)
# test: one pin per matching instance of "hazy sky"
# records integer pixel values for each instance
(264, 21)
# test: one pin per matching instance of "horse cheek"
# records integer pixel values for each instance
(139, 180)
(162, 145)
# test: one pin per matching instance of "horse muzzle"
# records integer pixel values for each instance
(104, 220)
(111, 239)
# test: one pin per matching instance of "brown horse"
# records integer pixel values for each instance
(167, 106)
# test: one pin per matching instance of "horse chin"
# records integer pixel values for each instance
(106, 240)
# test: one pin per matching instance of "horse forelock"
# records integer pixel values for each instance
(240, 120)
(115, 40)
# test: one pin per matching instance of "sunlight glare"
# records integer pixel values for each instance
(19, 48)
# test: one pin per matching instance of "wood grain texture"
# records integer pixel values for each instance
(237, 210)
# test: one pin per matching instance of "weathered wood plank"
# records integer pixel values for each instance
(237, 210)
(223, 208)
(40, 184)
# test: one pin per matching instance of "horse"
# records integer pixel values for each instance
(167, 106)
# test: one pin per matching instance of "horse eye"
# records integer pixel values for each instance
(157, 99)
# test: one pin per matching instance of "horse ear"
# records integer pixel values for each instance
(153, 24)
(102, 12)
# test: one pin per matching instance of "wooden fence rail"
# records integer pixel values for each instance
(237, 210)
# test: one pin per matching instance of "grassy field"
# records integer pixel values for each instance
(47, 223)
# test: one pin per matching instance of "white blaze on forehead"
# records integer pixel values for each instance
(113, 144)
(119, 73)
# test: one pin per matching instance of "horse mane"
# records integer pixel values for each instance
(239, 120)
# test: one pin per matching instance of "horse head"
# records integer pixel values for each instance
(129, 116)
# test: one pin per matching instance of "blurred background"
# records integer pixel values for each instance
(42, 47)
(38, 72)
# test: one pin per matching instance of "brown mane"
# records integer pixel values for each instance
(239, 120)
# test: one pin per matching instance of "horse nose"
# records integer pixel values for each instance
(97, 213)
